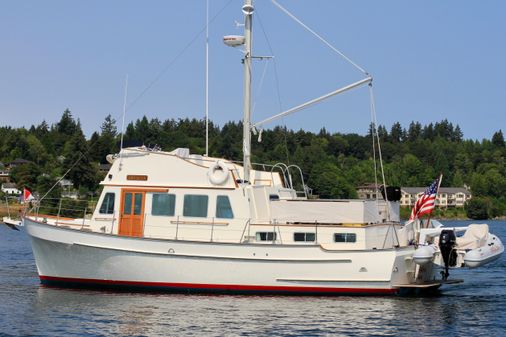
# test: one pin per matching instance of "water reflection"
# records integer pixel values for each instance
(94, 312)
(474, 308)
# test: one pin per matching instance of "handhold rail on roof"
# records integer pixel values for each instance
(287, 179)
(304, 187)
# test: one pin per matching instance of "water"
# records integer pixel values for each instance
(475, 308)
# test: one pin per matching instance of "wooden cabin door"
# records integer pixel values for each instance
(131, 222)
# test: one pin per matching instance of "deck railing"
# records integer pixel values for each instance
(77, 214)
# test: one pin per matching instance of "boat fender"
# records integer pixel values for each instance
(218, 173)
(424, 254)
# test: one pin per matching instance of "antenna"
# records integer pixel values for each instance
(207, 79)
(123, 121)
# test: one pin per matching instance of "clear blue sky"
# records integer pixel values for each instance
(430, 59)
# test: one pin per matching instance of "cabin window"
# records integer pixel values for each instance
(127, 204)
(266, 236)
(195, 205)
(107, 206)
(163, 204)
(138, 203)
(223, 208)
(345, 237)
(304, 237)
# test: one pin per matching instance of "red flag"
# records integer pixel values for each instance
(27, 195)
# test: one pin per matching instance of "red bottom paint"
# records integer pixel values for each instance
(208, 288)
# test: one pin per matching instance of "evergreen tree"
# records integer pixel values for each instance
(498, 139)
(414, 131)
(335, 163)
(397, 133)
(67, 125)
(106, 143)
(83, 173)
(25, 175)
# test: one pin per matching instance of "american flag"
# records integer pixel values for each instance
(425, 204)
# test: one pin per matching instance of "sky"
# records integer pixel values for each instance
(430, 60)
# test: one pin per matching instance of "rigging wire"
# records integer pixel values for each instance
(260, 85)
(373, 131)
(373, 113)
(178, 55)
(143, 92)
(81, 155)
(123, 120)
(293, 17)
(276, 80)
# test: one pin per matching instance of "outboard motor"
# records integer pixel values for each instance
(447, 243)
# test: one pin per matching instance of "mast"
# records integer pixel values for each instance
(207, 78)
(247, 9)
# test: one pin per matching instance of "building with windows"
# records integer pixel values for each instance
(446, 197)
(368, 191)
(10, 189)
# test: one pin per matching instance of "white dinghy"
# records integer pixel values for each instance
(442, 247)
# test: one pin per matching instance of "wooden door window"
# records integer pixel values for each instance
(132, 213)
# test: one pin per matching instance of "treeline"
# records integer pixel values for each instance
(334, 164)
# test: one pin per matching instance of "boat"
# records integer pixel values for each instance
(12, 223)
(181, 222)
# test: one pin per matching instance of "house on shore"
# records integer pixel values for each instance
(16, 162)
(446, 197)
(10, 189)
(4, 174)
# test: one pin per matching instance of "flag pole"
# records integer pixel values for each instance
(437, 191)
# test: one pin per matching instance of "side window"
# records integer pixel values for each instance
(266, 236)
(138, 203)
(127, 204)
(345, 237)
(163, 204)
(107, 206)
(223, 208)
(304, 237)
(195, 205)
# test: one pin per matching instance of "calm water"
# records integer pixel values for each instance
(475, 308)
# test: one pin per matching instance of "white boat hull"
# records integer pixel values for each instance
(480, 256)
(72, 257)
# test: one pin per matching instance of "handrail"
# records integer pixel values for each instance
(287, 182)
(244, 230)
(301, 178)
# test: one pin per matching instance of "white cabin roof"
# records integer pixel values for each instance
(140, 166)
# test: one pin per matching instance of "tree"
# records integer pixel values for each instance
(414, 131)
(67, 125)
(25, 175)
(457, 135)
(329, 182)
(36, 151)
(498, 139)
(48, 188)
(397, 133)
(106, 142)
(83, 173)
(477, 208)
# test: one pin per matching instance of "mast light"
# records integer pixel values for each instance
(247, 9)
